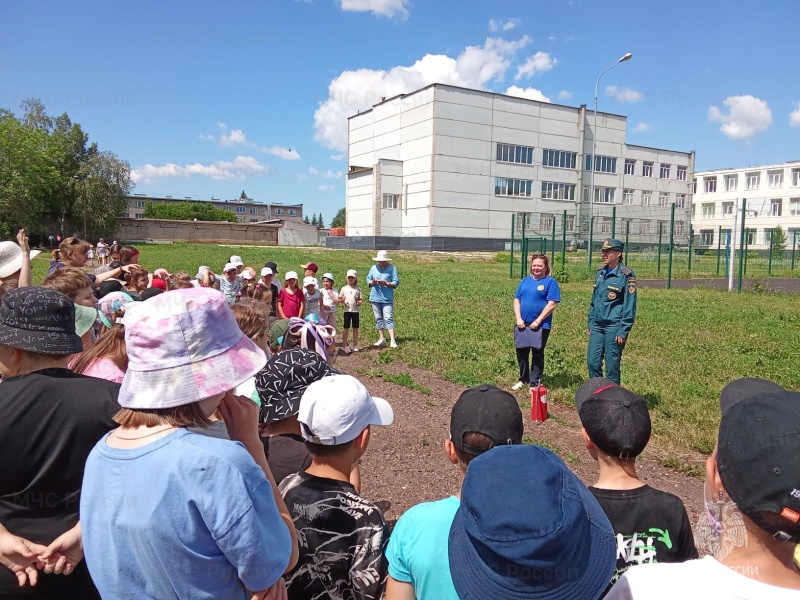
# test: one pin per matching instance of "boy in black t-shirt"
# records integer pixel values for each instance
(651, 526)
(341, 535)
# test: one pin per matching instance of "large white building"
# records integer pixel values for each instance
(772, 194)
(445, 168)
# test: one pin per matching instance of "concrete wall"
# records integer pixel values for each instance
(300, 234)
(197, 231)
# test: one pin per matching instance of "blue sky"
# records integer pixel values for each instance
(209, 98)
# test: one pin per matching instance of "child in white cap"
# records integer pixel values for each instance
(312, 297)
(330, 298)
(230, 284)
(350, 296)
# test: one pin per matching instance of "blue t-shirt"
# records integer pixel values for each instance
(533, 295)
(379, 293)
(186, 516)
(417, 551)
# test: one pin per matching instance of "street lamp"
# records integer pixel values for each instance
(82, 179)
(593, 164)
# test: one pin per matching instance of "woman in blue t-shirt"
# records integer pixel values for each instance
(534, 303)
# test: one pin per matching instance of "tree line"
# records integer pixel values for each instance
(52, 180)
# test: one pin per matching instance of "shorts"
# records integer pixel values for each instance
(351, 318)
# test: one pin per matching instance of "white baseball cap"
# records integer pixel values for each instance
(310, 281)
(236, 260)
(247, 275)
(229, 267)
(336, 409)
(352, 273)
(290, 275)
(266, 271)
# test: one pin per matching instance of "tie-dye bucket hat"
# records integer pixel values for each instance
(112, 306)
(185, 346)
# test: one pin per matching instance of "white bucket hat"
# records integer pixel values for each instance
(11, 258)
(185, 346)
(383, 256)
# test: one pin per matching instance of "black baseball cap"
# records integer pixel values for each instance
(488, 410)
(40, 320)
(615, 419)
(273, 266)
(757, 454)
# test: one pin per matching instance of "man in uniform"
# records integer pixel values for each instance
(611, 312)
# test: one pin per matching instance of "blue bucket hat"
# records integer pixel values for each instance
(528, 528)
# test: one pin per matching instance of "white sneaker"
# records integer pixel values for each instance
(518, 386)
(355, 348)
(393, 344)
(347, 349)
(380, 342)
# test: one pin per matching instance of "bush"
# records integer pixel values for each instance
(501, 257)
(561, 275)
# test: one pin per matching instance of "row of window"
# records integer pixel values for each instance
(564, 159)
(545, 222)
(709, 209)
(752, 181)
(708, 236)
(566, 191)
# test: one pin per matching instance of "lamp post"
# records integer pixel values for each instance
(593, 164)
(82, 179)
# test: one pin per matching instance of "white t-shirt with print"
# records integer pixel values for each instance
(701, 578)
(312, 302)
(351, 297)
(330, 298)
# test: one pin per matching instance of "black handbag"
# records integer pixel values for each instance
(527, 337)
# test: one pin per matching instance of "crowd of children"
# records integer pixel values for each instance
(121, 479)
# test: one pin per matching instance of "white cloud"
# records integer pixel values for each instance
(326, 188)
(624, 94)
(280, 152)
(794, 116)
(234, 137)
(329, 174)
(529, 93)
(238, 168)
(386, 8)
(564, 95)
(642, 127)
(748, 117)
(500, 25)
(338, 156)
(354, 91)
(313, 170)
(541, 62)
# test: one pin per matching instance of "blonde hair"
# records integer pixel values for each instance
(71, 246)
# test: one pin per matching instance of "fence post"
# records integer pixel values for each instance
(511, 259)
(627, 235)
(742, 250)
(671, 245)
(591, 241)
(523, 247)
(564, 240)
(613, 221)
(794, 245)
(660, 229)
(553, 243)
(543, 245)
(769, 262)
(691, 240)
(719, 247)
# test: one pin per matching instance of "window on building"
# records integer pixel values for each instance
(795, 177)
(724, 236)
(253, 210)
(794, 207)
(512, 187)
(775, 178)
(602, 164)
(647, 169)
(570, 222)
(605, 225)
(278, 211)
(706, 237)
(558, 158)
(630, 166)
(557, 191)
(708, 210)
(137, 215)
(240, 210)
(626, 225)
(391, 201)
(664, 171)
(647, 197)
(775, 207)
(680, 227)
(292, 212)
(254, 220)
(680, 200)
(663, 198)
(604, 195)
(731, 182)
(693, 210)
(627, 197)
(522, 217)
(749, 237)
(644, 226)
(710, 184)
(139, 203)
(545, 222)
(694, 185)
(515, 154)
(727, 209)
(752, 180)
(682, 173)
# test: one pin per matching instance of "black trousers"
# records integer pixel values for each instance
(532, 373)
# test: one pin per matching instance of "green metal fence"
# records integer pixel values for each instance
(654, 249)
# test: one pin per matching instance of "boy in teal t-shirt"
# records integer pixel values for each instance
(419, 567)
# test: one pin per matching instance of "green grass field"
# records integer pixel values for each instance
(454, 318)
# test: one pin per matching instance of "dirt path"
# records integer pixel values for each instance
(405, 462)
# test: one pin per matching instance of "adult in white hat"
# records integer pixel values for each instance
(15, 260)
(382, 280)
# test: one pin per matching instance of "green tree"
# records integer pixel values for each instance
(314, 220)
(320, 221)
(340, 220)
(306, 220)
(107, 185)
(187, 211)
(778, 243)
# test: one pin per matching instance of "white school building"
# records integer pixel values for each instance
(445, 168)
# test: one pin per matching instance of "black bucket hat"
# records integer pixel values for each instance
(40, 320)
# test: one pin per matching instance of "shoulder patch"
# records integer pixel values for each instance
(601, 267)
(626, 271)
